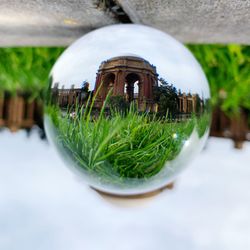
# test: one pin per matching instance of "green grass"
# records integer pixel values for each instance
(118, 147)
(26, 69)
(227, 68)
(202, 123)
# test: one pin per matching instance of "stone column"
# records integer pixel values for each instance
(151, 83)
(97, 82)
(184, 103)
(119, 83)
(145, 85)
(194, 103)
(145, 93)
(140, 86)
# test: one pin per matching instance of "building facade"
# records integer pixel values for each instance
(128, 76)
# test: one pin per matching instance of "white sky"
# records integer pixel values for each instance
(172, 60)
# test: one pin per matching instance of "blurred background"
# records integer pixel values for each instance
(44, 206)
(24, 80)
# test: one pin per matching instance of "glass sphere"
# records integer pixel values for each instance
(127, 108)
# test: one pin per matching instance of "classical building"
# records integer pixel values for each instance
(128, 76)
(188, 103)
(70, 97)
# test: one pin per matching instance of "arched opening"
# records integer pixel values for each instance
(132, 87)
(107, 85)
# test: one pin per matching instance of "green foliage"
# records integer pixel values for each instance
(118, 103)
(227, 68)
(165, 95)
(202, 123)
(26, 69)
(117, 147)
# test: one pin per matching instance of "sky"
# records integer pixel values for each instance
(173, 61)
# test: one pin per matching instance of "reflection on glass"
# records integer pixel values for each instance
(131, 130)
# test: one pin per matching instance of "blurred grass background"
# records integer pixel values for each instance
(227, 68)
(26, 69)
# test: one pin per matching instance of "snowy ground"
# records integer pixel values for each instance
(44, 206)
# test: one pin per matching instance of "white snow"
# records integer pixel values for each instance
(44, 206)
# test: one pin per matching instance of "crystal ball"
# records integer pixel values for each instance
(127, 108)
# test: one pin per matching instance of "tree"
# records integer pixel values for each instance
(165, 95)
(85, 92)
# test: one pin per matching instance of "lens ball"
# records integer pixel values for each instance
(127, 108)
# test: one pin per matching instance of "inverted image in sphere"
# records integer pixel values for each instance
(127, 108)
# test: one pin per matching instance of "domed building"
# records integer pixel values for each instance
(128, 76)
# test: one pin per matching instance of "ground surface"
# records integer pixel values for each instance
(44, 206)
(60, 22)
